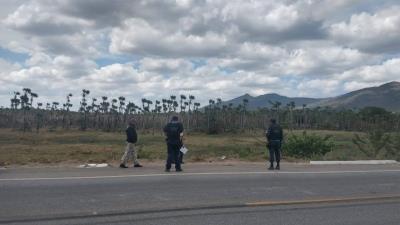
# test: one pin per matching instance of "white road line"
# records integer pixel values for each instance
(197, 174)
(356, 162)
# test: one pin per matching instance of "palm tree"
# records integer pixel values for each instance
(275, 107)
(175, 105)
(83, 109)
(66, 107)
(196, 107)
(25, 105)
(164, 105)
(191, 99)
(15, 101)
(245, 103)
(304, 119)
(39, 116)
(144, 101)
(121, 104)
(291, 106)
(104, 104)
(183, 97)
(33, 95)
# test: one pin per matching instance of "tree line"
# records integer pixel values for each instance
(111, 114)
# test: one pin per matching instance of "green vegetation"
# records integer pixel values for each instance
(307, 146)
(393, 148)
(373, 143)
(77, 146)
(378, 144)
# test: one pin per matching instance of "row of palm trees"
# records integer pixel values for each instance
(111, 114)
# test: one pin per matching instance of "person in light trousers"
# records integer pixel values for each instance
(130, 150)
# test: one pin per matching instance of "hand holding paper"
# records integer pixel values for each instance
(184, 150)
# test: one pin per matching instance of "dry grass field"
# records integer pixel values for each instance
(17, 148)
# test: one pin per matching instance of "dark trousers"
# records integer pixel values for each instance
(173, 156)
(180, 156)
(274, 151)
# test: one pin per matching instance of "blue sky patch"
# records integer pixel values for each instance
(13, 56)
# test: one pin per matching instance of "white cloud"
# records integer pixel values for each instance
(379, 32)
(40, 19)
(324, 60)
(388, 70)
(165, 66)
(207, 48)
(138, 37)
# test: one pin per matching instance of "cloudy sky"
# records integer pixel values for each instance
(219, 48)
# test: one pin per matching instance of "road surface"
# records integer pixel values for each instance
(237, 193)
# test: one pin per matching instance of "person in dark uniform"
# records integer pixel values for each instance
(173, 131)
(130, 150)
(274, 136)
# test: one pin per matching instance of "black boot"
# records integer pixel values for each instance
(271, 167)
(277, 167)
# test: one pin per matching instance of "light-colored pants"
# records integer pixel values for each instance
(130, 152)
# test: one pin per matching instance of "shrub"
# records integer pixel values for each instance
(393, 148)
(307, 146)
(373, 143)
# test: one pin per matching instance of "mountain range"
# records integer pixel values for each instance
(386, 96)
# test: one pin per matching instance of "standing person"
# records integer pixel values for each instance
(173, 131)
(274, 136)
(130, 151)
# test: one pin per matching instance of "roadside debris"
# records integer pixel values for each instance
(94, 165)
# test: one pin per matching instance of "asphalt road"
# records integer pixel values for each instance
(203, 194)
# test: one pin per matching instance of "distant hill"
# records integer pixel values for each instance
(263, 101)
(386, 96)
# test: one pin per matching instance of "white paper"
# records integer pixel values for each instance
(184, 150)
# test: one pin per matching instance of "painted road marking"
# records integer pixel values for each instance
(47, 218)
(197, 174)
(356, 162)
(326, 200)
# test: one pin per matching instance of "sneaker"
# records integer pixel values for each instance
(122, 165)
(179, 170)
(137, 165)
(277, 167)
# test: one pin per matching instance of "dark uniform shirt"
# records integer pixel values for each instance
(275, 133)
(173, 131)
(131, 135)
